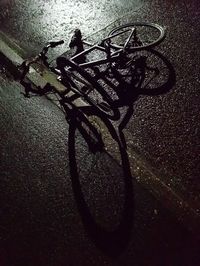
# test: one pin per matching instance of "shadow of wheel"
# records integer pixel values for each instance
(102, 186)
(160, 77)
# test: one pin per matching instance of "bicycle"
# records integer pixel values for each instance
(83, 77)
(86, 143)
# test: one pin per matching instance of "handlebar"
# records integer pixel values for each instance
(41, 56)
(54, 44)
(50, 45)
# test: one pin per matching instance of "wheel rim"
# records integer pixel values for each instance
(157, 32)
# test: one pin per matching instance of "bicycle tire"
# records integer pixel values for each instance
(102, 102)
(159, 29)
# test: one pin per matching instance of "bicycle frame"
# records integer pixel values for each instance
(112, 57)
(69, 69)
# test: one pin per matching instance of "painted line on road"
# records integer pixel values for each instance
(149, 178)
(10, 55)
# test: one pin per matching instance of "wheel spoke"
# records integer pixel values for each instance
(142, 36)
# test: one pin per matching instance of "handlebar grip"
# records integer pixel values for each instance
(54, 44)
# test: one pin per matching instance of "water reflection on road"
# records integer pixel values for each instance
(35, 22)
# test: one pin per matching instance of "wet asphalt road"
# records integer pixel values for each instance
(35, 23)
(164, 129)
(52, 214)
(43, 214)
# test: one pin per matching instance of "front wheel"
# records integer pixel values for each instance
(83, 84)
(136, 36)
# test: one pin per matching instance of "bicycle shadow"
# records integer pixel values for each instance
(110, 241)
(129, 88)
(114, 242)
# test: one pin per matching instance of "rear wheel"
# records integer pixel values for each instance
(136, 36)
(82, 83)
